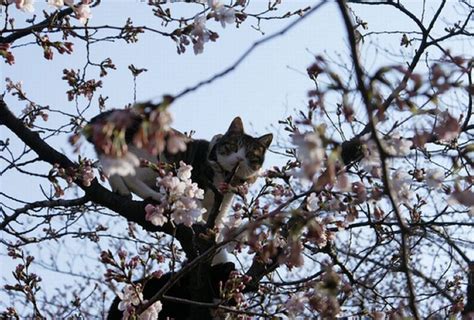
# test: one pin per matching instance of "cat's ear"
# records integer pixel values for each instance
(266, 140)
(236, 126)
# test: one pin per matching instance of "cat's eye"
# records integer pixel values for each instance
(255, 160)
(229, 147)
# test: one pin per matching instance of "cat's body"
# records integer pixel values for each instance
(213, 163)
(233, 157)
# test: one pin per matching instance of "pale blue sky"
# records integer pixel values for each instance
(262, 90)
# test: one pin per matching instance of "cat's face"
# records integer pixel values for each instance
(236, 147)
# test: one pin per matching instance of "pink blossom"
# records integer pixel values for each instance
(151, 313)
(131, 296)
(25, 5)
(184, 171)
(222, 13)
(371, 161)
(448, 128)
(397, 146)
(180, 197)
(312, 202)
(83, 13)
(465, 198)
(162, 118)
(60, 3)
(434, 178)
(56, 3)
(200, 33)
(154, 214)
(310, 152)
(400, 184)
(87, 175)
(176, 143)
(296, 304)
(188, 216)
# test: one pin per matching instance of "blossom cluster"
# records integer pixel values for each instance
(112, 132)
(131, 297)
(180, 199)
(310, 152)
(201, 34)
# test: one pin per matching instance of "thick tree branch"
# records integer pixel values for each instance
(133, 211)
(59, 15)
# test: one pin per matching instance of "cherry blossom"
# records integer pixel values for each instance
(176, 143)
(448, 128)
(400, 184)
(131, 296)
(200, 33)
(371, 161)
(24, 5)
(466, 198)
(83, 13)
(151, 313)
(310, 152)
(180, 200)
(155, 215)
(60, 3)
(397, 146)
(162, 118)
(434, 178)
(296, 304)
(312, 202)
(87, 174)
(222, 13)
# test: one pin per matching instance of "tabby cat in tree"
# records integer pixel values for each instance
(233, 157)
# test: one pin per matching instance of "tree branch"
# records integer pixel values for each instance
(131, 210)
(59, 15)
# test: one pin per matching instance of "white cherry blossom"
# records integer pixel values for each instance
(400, 184)
(131, 296)
(25, 5)
(180, 200)
(310, 152)
(200, 33)
(83, 13)
(397, 146)
(155, 215)
(151, 313)
(312, 202)
(434, 178)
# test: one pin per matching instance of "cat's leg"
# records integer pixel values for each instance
(118, 185)
(225, 205)
(141, 189)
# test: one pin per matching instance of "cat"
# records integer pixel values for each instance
(232, 157)
(213, 163)
(218, 275)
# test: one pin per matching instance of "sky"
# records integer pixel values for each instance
(268, 86)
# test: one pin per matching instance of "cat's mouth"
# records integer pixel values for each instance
(243, 171)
